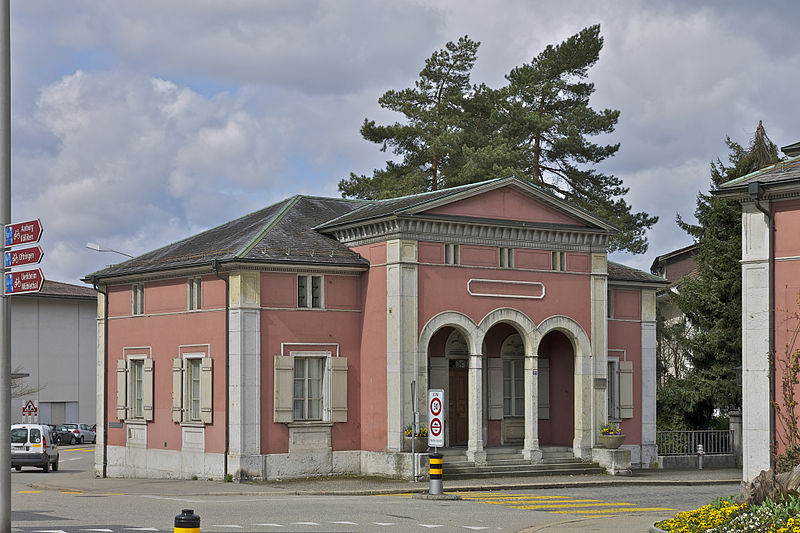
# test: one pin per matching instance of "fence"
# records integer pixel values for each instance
(714, 441)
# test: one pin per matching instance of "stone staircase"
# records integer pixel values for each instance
(508, 462)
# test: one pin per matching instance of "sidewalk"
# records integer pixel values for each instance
(86, 482)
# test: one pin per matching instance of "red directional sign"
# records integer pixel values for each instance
(24, 256)
(24, 281)
(23, 232)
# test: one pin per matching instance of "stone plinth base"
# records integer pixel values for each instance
(616, 462)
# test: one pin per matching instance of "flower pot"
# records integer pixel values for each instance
(611, 442)
(420, 443)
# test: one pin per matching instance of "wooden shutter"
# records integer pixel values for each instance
(283, 409)
(122, 389)
(177, 389)
(206, 391)
(626, 389)
(147, 386)
(544, 388)
(495, 388)
(338, 401)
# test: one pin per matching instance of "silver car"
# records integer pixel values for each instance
(33, 445)
(83, 432)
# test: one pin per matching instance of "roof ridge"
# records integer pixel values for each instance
(786, 163)
(271, 224)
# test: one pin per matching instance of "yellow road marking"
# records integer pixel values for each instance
(518, 497)
(621, 510)
(28, 492)
(70, 492)
(572, 505)
(111, 494)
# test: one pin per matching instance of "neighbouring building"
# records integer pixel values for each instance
(54, 341)
(770, 200)
(284, 343)
(674, 267)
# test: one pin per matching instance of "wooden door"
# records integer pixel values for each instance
(458, 403)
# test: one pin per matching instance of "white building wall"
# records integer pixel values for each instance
(54, 340)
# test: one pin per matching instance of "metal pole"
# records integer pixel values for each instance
(5, 218)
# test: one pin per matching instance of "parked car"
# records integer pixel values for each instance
(83, 432)
(33, 445)
(64, 435)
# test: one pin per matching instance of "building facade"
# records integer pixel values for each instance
(770, 200)
(54, 341)
(285, 343)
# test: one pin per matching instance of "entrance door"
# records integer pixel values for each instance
(458, 403)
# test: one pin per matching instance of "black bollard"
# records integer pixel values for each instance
(187, 522)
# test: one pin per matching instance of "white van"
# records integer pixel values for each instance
(33, 445)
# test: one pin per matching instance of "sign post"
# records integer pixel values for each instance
(435, 438)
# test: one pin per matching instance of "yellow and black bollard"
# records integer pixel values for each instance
(435, 473)
(187, 522)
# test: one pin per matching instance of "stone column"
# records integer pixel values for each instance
(244, 457)
(735, 425)
(649, 447)
(401, 337)
(755, 342)
(530, 447)
(475, 450)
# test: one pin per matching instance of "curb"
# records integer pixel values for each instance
(424, 490)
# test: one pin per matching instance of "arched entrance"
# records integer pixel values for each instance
(556, 390)
(504, 352)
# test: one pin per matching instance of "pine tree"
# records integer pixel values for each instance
(712, 300)
(536, 128)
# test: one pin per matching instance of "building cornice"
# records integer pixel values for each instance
(477, 233)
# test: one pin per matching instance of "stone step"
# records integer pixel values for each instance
(528, 471)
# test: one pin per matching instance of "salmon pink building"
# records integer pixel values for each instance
(770, 200)
(285, 343)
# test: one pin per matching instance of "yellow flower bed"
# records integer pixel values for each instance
(702, 519)
(792, 526)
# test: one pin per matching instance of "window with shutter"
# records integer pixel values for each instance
(122, 389)
(544, 388)
(177, 389)
(283, 382)
(495, 388)
(206, 390)
(147, 389)
(338, 389)
(626, 389)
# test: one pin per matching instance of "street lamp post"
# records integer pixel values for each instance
(98, 248)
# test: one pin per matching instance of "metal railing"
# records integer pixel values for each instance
(714, 441)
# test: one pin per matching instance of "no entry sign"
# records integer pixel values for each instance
(435, 418)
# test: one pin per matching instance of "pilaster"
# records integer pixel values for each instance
(245, 376)
(100, 378)
(401, 337)
(755, 342)
(649, 448)
(599, 340)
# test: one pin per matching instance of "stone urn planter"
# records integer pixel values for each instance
(420, 443)
(610, 442)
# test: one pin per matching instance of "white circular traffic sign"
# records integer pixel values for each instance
(436, 406)
(436, 427)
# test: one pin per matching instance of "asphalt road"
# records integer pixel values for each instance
(599, 509)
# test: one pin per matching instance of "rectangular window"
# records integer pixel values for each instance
(513, 387)
(193, 294)
(506, 257)
(137, 387)
(193, 380)
(309, 292)
(308, 372)
(451, 254)
(137, 299)
(559, 261)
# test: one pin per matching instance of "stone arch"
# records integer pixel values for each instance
(583, 382)
(454, 319)
(525, 326)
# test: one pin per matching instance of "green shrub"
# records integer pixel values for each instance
(789, 459)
